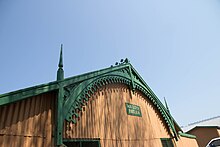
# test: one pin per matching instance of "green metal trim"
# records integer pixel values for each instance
(59, 116)
(132, 79)
(60, 72)
(143, 87)
(39, 89)
(85, 89)
(27, 92)
(167, 116)
(94, 74)
(59, 121)
(87, 84)
(172, 120)
(60, 65)
(187, 135)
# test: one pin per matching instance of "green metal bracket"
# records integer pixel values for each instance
(132, 79)
(26, 93)
(85, 90)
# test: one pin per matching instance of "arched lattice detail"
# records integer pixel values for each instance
(94, 85)
(86, 93)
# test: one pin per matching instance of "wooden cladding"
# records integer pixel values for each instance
(28, 122)
(31, 122)
(105, 117)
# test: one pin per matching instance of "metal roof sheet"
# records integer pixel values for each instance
(214, 121)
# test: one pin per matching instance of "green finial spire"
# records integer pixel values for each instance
(60, 72)
(61, 57)
(166, 105)
(171, 118)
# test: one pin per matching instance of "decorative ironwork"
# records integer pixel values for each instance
(86, 93)
(68, 89)
(72, 113)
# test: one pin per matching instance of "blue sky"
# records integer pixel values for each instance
(174, 45)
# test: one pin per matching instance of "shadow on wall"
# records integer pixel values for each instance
(105, 117)
(28, 121)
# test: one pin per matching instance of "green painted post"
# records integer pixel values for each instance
(59, 121)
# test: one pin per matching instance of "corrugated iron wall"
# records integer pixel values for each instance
(105, 117)
(186, 142)
(29, 122)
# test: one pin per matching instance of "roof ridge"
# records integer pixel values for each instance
(202, 120)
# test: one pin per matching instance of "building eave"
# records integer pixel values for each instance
(131, 73)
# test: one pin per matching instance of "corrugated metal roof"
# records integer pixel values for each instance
(214, 121)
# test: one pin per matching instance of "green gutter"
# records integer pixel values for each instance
(187, 135)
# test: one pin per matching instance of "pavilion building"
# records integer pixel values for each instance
(111, 107)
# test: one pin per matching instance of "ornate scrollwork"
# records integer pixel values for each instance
(72, 113)
(91, 88)
(68, 89)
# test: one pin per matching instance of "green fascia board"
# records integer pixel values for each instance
(155, 97)
(43, 88)
(27, 92)
(82, 86)
(91, 75)
(187, 135)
